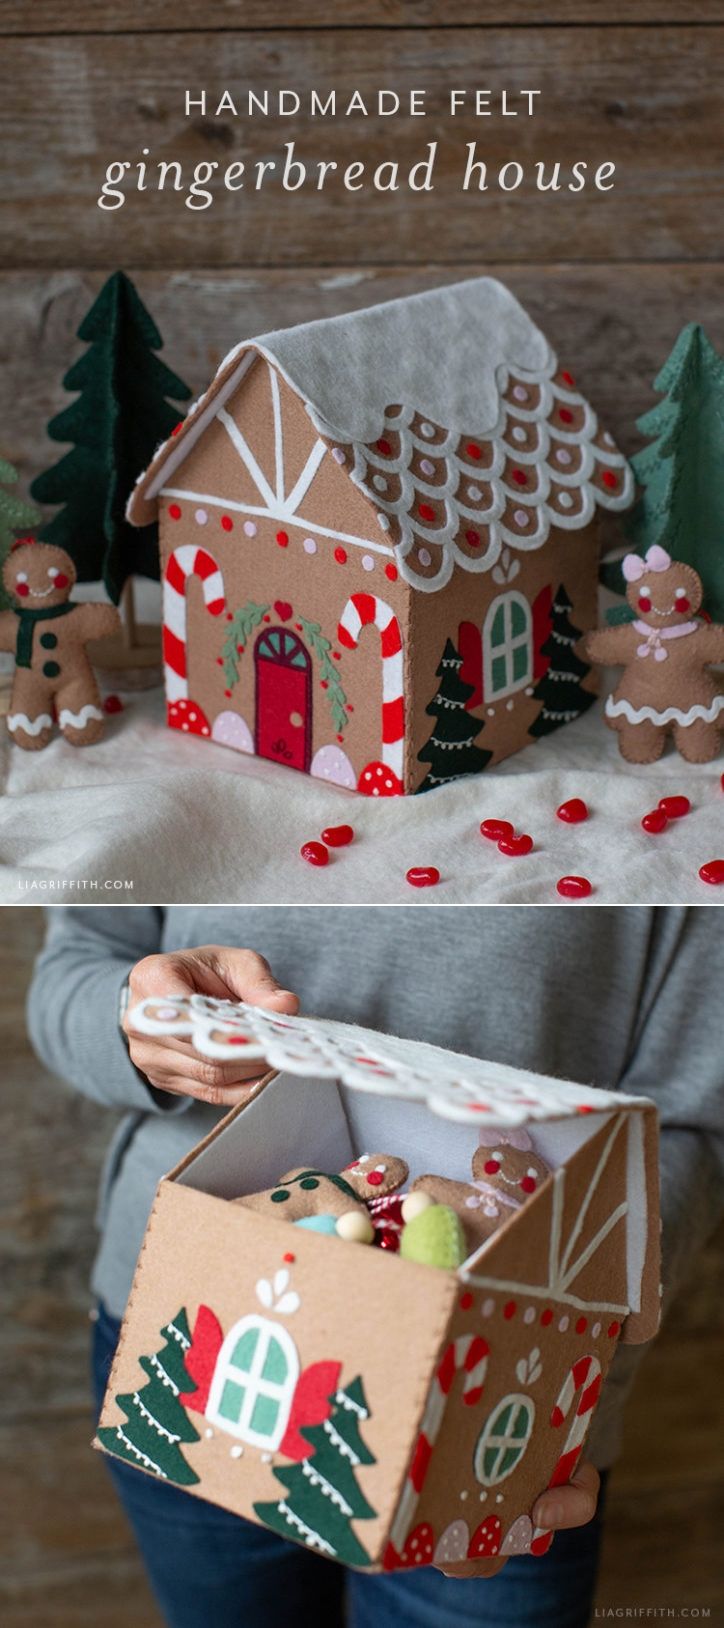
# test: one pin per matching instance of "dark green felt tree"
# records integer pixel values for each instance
(115, 424)
(156, 1421)
(559, 690)
(322, 1492)
(682, 468)
(450, 751)
(16, 516)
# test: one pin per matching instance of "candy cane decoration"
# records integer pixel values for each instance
(359, 611)
(468, 1355)
(186, 561)
(583, 1380)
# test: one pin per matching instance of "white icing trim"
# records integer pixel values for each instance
(310, 527)
(278, 435)
(78, 720)
(670, 715)
(247, 456)
(30, 726)
(292, 502)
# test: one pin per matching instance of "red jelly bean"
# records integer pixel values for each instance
(675, 807)
(495, 829)
(423, 876)
(315, 853)
(337, 836)
(515, 845)
(573, 811)
(574, 887)
(713, 872)
(655, 822)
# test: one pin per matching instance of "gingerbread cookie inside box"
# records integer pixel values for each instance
(382, 1412)
(379, 542)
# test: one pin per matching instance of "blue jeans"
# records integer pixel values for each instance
(209, 1569)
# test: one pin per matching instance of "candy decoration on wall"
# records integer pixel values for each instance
(468, 1354)
(186, 561)
(156, 1420)
(451, 751)
(583, 1381)
(363, 610)
(323, 1497)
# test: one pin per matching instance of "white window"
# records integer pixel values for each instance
(503, 1440)
(254, 1381)
(507, 646)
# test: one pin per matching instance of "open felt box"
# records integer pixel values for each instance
(384, 1413)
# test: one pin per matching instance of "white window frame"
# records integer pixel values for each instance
(490, 1437)
(511, 643)
(252, 1381)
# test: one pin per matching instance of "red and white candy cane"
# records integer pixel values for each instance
(186, 561)
(468, 1355)
(583, 1381)
(360, 611)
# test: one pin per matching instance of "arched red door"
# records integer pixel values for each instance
(283, 698)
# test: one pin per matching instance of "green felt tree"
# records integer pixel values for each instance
(115, 424)
(559, 690)
(156, 1421)
(16, 516)
(450, 751)
(681, 470)
(322, 1493)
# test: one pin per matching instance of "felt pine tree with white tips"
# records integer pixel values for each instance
(451, 751)
(559, 690)
(16, 516)
(156, 1420)
(323, 1497)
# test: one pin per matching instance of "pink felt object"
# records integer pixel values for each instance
(497, 1138)
(311, 1405)
(634, 567)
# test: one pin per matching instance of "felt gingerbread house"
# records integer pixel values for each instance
(382, 1412)
(379, 542)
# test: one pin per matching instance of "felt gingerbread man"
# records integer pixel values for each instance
(506, 1173)
(665, 652)
(47, 635)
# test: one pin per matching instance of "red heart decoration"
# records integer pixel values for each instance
(283, 610)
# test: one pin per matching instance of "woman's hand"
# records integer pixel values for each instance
(557, 1509)
(170, 1064)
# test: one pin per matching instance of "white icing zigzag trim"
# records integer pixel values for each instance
(78, 720)
(670, 715)
(30, 726)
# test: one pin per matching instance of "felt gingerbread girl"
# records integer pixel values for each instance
(47, 635)
(506, 1173)
(665, 652)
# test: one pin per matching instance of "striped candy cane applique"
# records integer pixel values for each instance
(363, 610)
(467, 1355)
(583, 1381)
(186, 561)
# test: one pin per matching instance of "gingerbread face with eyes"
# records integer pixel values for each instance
(47, 635)
(506, 1174)
(666, 652)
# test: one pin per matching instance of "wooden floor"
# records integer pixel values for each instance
(63, 1544)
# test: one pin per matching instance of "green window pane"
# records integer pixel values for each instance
(232, 1399)
(518, 619)
(521, 1423)
(275, 1364)
(490, 1459)
(264, 1415)
(501, 1421)
(497, 635)
(508, 1461)
(520, 661)
(499, 674)
(298, 659)
(245, 1348)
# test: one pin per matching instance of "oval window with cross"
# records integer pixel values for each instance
(507, 646)
(254, 1382)
(503, 1440)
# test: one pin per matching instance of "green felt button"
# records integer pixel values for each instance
(51, 669)
(48, 641)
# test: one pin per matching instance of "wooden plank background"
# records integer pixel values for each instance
(66, 1560)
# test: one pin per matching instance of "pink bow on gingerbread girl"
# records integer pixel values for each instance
(665, 651)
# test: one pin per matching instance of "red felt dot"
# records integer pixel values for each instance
(282, 538)
(239, 649)
(491, 1167)
(529, 1184)
(219, 661)
(573, 811)
(426, 511)
(21, 589)
(466, 1301)
(112, 703)
(288, 1256)
(674, 807)
(644, 602)
(573, 887)
(374, 1179)
(337, 836)
(565, 415)
(581, 1325)
(683, 605)
(568, 379)
(546, 1317)
(61, 581)
(495, 829)
(177, 427)
(384, 447)
(229, 616)
(391, 573)
(227, 523)
(336, 655)
(315, 853)
(515, 847)
(324, 683)
(472, 537)
(609, 479)
(655, 822)
(520, 477)
(267, 618)
(713, 872)
(340, 555)
(423, 876)
(227, 693)
(509, 1310)
(613, 1329)
(473, 450)
(174, 511)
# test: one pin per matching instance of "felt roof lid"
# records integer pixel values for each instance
(454, 419)
(460, 1088)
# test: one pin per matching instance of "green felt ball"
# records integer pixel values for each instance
(434, 1238)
